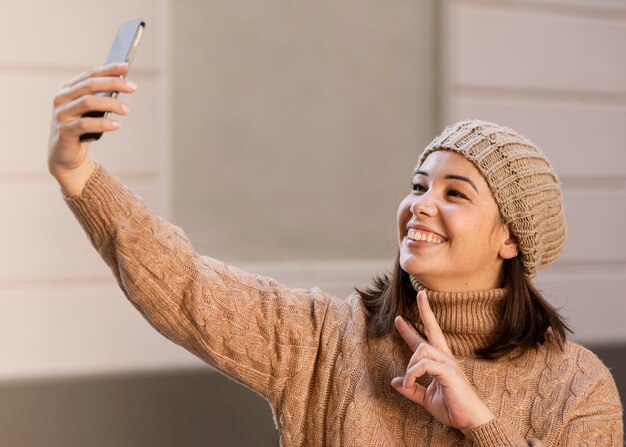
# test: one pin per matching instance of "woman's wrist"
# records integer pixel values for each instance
(73, 182)
(481, 418)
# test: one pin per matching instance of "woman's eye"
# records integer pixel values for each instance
(455, 193)
(417, 187)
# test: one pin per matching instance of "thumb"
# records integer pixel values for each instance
(416, 392)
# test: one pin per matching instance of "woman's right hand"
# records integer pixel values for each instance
(68, 160)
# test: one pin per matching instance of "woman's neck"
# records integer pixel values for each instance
(455, 283)
(452, 288)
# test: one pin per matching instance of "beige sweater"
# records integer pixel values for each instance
(306, 352)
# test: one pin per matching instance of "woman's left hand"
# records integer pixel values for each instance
(449, 397)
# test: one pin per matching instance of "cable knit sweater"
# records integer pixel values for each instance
(307, 353)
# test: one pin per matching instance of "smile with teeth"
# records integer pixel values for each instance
(418, 235)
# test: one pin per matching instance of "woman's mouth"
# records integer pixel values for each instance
(426, 236)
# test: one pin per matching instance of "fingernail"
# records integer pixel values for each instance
(131, 85)
(124, 108)
(115, 124)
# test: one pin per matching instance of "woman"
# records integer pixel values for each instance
(488, 364)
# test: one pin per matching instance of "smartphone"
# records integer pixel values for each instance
(123, 50)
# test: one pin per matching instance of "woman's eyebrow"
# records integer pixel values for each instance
(451, 177)
(460, 177)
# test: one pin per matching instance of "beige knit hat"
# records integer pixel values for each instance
(522, 181)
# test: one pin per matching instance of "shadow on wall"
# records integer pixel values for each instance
(183, 409)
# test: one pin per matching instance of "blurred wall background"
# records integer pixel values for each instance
(281, 137)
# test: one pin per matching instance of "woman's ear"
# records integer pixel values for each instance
(508, 248)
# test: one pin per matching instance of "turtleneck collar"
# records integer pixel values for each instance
(469, 320)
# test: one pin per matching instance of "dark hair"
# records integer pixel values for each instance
(526, 315)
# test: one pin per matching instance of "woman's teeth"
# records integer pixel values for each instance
(424, 236)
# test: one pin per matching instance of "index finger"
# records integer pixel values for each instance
(115, 69)
(433, 331)
(410, 337)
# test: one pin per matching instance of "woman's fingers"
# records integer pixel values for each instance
(102, 84)
(437, 370)
(91, 86)
(433, 331)
(407, 334)
(88, 103)
(426, 351)
(116, 69)
(416, 393)
(89, 125)
(449, 397)
(83, 94)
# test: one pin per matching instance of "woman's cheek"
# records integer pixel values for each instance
(404, 214)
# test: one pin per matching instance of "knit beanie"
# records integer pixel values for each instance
(522, 181)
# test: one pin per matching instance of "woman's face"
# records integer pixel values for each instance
(449, 229)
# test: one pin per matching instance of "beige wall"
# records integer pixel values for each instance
(296, 125)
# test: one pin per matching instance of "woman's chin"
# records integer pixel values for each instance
(413, 265)
(419, 274)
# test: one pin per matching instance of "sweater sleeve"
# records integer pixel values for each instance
(497, 433)
(248, 326)
(594, 407)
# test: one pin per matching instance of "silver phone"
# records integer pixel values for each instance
(122, 50)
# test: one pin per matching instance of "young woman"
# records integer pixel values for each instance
(455, 347)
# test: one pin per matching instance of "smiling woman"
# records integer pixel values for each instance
(488, 363)
(483, 215)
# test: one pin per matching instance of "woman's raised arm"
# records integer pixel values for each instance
(250, 327)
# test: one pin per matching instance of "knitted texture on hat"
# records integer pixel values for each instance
(522, 181)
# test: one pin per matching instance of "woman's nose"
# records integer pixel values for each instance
(424, 205)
